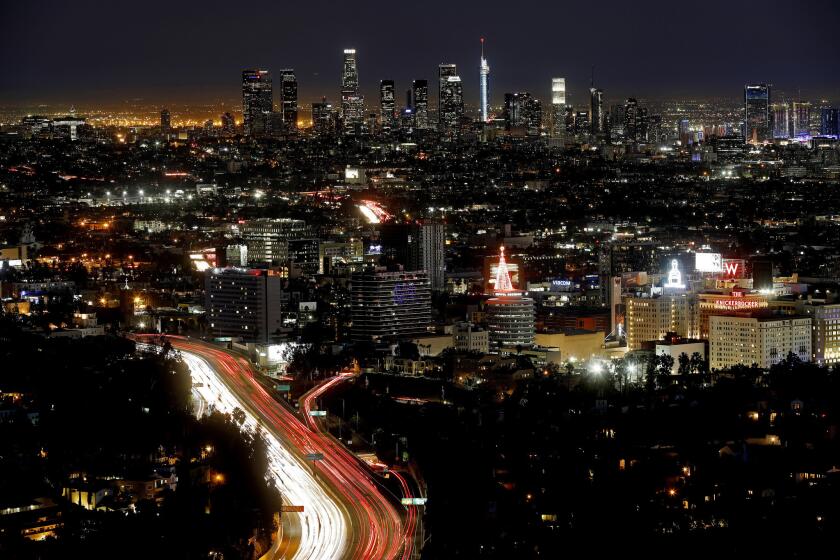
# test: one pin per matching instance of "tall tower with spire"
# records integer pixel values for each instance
(484, 85)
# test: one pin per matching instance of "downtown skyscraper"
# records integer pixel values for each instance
(484, 86)
(352, 102)
(289, 98)
(387, 106)
(450, 98)
(420, 103)
(757, 113)
(558, 106)
(596, 110)
(257, 102)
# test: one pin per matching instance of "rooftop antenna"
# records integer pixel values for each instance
(482, 47)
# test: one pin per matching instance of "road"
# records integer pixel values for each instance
(346, 514)
(306, 406)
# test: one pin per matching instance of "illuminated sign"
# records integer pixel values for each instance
(708, 262)
(735, 304)
(733, 268)
(317, 413)
(413, 501)
(674, 277)
(560, 285)
(291, 509)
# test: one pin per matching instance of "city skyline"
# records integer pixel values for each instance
(195, 63)
(419, 281)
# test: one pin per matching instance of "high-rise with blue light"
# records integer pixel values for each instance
(484, 85)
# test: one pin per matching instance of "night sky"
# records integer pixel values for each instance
(87, 51)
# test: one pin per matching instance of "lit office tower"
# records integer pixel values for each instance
(484, 86)
(451, 104)
(524, 111)
(352, 102)
(631, 119)
(432, 240)
(322, 117)
(389, 304)
(829, 122)
(781, 121)
(350, 72)
(244, 303)
(757, 113)
(596, 112)
(445, 71)
(558, 106)
(387, 107)
(420, 103)
(617, 124)
(510, 316)
(800, 119)
(268, 239)
(642, 125)
(257, 102)
(165, 121)
(228, 124)
(289, 98)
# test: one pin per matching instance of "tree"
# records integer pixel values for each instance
(666, 365)
(684, 367)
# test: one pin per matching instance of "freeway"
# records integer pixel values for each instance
(346, 515)
(306, 401)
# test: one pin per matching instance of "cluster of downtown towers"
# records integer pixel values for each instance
(260, 117)
(763, 121)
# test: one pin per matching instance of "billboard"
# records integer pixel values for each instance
(708, 262)
(733, 268)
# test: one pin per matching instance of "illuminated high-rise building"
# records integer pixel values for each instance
(757, 113)
(289, 98)
(617, 124)
(389, 305)
(244, 303)
(523, 110)
(420, 103)
(631, 119)
(387, 105)
(350, 72)
(800, 119)
(257, 102)
(779, 113)
(165, 121)
(323, 117)
(829, 122)
(596, 113)
(558, 106)
(484, 86)
(445, 71)
(352, 102)
(642, 125)
(451, 107)
(228, 124)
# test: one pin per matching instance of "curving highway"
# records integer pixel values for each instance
(345, 515)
